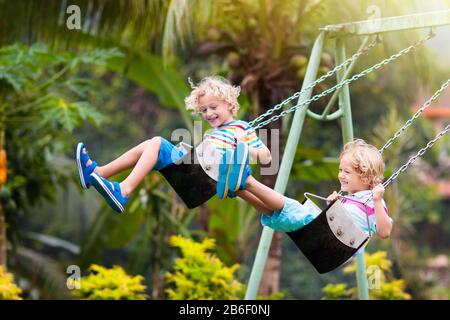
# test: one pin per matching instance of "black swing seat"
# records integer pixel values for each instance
(194, 177)
(331, 239)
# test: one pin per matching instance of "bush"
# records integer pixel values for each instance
(8, 290)
(201, 275)
(110, 284)
(379, 272)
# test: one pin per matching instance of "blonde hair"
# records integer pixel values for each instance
(215, 86)
(366, 160)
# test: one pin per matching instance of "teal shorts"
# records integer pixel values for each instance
(292, 217)
(168, 154)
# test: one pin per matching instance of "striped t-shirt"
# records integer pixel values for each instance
(223, 137)
(359, 211)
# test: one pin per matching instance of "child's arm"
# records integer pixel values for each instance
(384, 225)
(332, 197)
(261, 155)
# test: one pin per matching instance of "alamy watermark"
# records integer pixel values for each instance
(74, 280)
(183, 137)
(74, 19)
(374, 275)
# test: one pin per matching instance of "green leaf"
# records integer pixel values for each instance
(149, 71)
(12, 78)
(316, 171)
(68, 115)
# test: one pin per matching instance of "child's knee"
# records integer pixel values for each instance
(155, 141)
(250, 182)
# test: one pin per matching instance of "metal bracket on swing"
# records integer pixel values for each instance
(340, 223)
(194, 176)
(331, 239)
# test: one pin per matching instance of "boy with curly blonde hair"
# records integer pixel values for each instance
(216, 100)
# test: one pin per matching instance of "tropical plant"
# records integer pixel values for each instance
(410, 202)
(109, 284)
(8, 290)
(43, 98)
(381, 284)
(199, 274)
(153, 213)
(335, 291)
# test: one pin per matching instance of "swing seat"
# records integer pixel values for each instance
(194, 177)
(331, 239)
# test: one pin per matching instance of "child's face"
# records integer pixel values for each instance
(349, 178)
(217, 112)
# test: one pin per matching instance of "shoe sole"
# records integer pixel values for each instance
(104, 191)
(222, 178)
(80, 168)
(241, 163)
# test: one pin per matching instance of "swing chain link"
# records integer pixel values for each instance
(343, 83)
(316, 82)
(417, 155)
(415, 116)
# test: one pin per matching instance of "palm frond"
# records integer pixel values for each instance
(51, 277)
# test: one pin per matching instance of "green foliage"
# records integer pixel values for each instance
(312, 166)
(381, 284)
(8, 290)
(43, 96)
(201, 275)
(393, 290)
(336, 291)
(110, 284)
(43, 83)
(378, 259)
(153, 214)
(233, 223)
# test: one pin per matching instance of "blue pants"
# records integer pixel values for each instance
(292, 217)
(168, 154)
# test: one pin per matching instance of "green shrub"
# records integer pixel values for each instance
(8, 290)
(381, 284)
(336, 291)
(110, 284)
(201, 275)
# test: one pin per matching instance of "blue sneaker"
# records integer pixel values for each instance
(224, 171)
(84, 172)
(110, 191)
(238, 169)
(231, 194)
(247, 172)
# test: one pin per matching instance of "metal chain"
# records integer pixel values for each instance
(417, 155)
(313, 84)
(415, 116)
(345, 82)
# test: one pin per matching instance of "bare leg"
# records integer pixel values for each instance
(254, 201)
(126, 160)
(272, 200)
(145, 163)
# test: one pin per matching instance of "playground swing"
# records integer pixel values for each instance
(332, 238)
(200, 163)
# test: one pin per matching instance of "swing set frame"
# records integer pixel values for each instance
(338, 33)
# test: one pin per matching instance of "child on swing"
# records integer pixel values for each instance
(216, 100)
(360, 174)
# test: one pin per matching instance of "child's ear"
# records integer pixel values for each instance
(368, 179)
